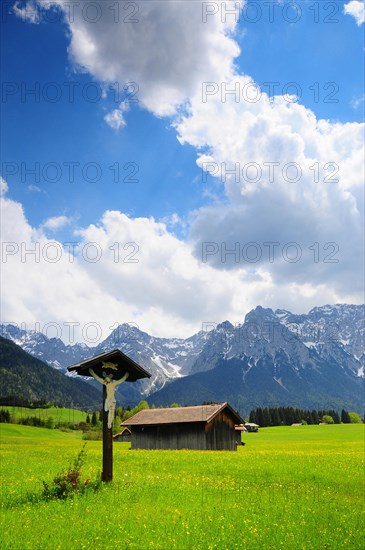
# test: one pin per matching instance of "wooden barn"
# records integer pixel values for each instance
(203, 427)
(124, 435)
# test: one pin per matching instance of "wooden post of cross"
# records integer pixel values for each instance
(107, 472)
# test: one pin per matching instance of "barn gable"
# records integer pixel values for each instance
(124, 435)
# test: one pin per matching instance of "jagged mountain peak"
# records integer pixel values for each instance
(126, 330)
(226, 325)
(260, 314)
(336, 310)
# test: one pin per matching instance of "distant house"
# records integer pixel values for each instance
(124, 435)
(203, 427)
(252, 427)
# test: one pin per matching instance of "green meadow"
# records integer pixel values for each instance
(288, 487)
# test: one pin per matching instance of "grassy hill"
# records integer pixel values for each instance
(25, 378)
(59, 414)
(29, 435)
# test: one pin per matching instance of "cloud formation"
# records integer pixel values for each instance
(129, 270)
(356, 8)
(163, 48)
(288, 178)
(115, 119)
(55, 223)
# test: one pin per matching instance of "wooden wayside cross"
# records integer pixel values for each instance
(124, 369)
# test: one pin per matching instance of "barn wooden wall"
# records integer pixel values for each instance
(219, 434)
(170, 436)
(122, 438)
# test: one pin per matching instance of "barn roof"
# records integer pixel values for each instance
(180, 415)
(125, 431)
(240, 428)
(123, 364)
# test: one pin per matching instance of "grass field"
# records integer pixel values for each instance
(58, 414)
(288, 487)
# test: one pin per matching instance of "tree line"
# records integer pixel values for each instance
(285, 416)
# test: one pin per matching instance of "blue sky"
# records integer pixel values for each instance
(158, 142)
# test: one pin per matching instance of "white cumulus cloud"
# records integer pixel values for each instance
(356, 8)
(55, 223)
(115, 119)
(288, 177)
(162, 48)
(130, 270)
(28, 11)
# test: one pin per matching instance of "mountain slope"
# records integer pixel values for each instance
(51, 350)
(247, 384)
(25, 377)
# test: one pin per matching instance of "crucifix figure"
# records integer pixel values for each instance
(110, 385)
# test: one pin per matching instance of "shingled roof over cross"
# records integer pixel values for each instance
(114, 360)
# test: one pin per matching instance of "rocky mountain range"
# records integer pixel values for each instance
(165, 358)
(273, 356)
(274, 359)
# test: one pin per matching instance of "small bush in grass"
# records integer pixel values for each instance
(84, 426)
(4, 416)
(65, 426)
(69, 482)
(50, 423)
(93, 435)
(31, 421)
